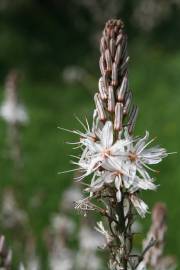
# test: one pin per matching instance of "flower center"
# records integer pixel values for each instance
(132, 156)
(106, 153)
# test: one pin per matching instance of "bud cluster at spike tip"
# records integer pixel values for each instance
(113, 83)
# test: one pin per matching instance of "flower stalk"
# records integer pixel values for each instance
(118, 163)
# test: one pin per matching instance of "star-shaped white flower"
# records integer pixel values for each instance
(103, 152)
(140, 157)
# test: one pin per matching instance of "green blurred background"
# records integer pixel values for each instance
(54, 45)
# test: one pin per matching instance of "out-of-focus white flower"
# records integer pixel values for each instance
(150, 13)
(73, 74)
(103, 152)
(61, 259)
(21, 266)
(33, 263)
(87, 260)
(11, 214)
(11, 110)
(154, 257)
(70, 196)
(89, 239)
(62, 224)
(13, 113)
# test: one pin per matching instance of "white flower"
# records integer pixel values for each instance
(87, 260)
(103, 153)
(141, 157)
(61, 259)
(116, 158)
(61, 223)
(13, 113)
(132, 185)
(89, 239)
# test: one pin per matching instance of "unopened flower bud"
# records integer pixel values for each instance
(108, 60)
(127, 103)
(118, 116)
(122, 89)
(114, 74)
(111, 99)
(102, 89)
(100, 108)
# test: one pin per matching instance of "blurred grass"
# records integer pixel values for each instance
(155, 81)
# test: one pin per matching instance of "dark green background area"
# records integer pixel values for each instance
(40, 38)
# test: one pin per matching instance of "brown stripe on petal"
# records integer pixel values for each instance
(102, 65)
(111, 99)
(114, 75)
(122, 89)
(118, 54)
(118, 116)
(100, 107)
(108, 60)
(106, 81)
(102, 89)
(112, 47)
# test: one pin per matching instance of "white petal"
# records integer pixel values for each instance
(115, 164)
(153, 155)
(107, 135)
(132, 170)
(127, 181)
(97, 185)
(144, 184)
(92, 146)
(142, 171)
(141, 143)
(119, 147)
(139, 205)
(94, 164)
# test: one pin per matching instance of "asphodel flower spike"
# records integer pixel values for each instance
(119, 163)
